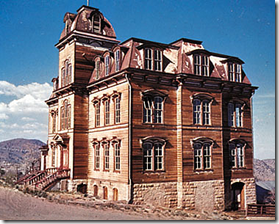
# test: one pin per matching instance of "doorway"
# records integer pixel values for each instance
(237, 196)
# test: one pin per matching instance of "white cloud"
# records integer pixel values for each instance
(27, 119)
(4, 116)
(37, 90)
(23, 111)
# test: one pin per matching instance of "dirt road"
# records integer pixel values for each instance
(15, 205)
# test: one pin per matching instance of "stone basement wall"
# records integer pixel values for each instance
(156, 194)
(203, 195)
(199, 195)
(250, 189)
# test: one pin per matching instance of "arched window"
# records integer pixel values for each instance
(96, 23)
(237, 153)
(107, 66)
(202, 153)
(153, 106)
(153, 154)
(117, 60)
(235, 114)
(202, 109)
(97, 63)
(66, 73)
(65, 122)
(53, 156)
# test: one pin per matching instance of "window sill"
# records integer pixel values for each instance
(238, 168)
(107, 170)
(203, 170)
(153, 171)
(116, 171)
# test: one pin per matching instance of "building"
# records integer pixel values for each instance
(147, 122)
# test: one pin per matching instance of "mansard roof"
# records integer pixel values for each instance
(82, 21)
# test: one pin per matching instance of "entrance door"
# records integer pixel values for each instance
(64, 158)
(238, 198)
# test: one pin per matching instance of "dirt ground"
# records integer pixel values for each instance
(15, 205)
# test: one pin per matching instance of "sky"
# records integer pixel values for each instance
(29, 29)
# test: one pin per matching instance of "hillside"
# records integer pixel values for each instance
(19, 152)
(264, 170)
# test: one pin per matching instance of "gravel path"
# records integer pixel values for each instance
(14, 205)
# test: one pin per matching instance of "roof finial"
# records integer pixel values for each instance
(87, 2)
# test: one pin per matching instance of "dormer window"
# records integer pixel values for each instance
(97, 69)
(107, 65)
(234, 72)
(201, 65)
(96, 20)
(148, 59)
(153, 59)
(157, 60)
(117, 60)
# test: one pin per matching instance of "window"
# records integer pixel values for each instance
(147, 110)
(153, 155)
(65, 122)
(107, 65)
(106, 156)
(153, 109)
(107, 114)
(234, 72)
(97, 114)
(153, 59)
(148, 59)
(201, 112)
(236, 155)
(97, 156)
(147, 151)
(117, 156)
(158, 149)
(53, 156)
(235, 115)
(53, 122)
(202, 156)
(97, 69)
(117, 110)
(96, 20)
(63, 77)
(157, 60)
(117, 60)
(201, 65)
(66, 73)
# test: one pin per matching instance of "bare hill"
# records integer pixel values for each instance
(264, 170)
(19, 152)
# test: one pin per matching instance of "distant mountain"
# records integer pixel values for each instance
(19, 151)
(264, 170)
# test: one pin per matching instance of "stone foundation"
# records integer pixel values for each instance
(157, 194)
(199, 195)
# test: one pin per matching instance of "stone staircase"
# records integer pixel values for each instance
(45, 179)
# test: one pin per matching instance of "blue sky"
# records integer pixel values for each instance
(28, 60)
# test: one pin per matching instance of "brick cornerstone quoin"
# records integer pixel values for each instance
(148, 122)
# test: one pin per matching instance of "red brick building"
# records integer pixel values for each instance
(147, 122)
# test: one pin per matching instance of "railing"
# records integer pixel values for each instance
(52, 178)
(260, 210)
